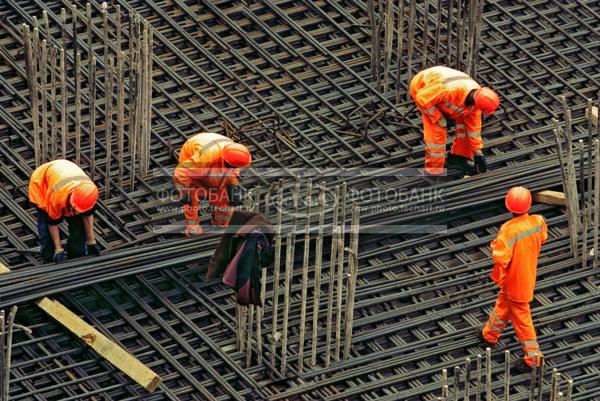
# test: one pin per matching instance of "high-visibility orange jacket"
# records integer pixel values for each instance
(51, 183)
(201, 163)
(441, 91)
(515, 253)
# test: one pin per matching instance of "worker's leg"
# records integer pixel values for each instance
(191, 211)
(521, 319)
(497, 320)
(435, 146)
(221, 211)
(76, 241)
(461, 145)
(46, 244)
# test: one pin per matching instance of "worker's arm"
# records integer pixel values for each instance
(233, 177)
(197, 168)
(502, 255)
(88, 225)
(544, 229)
(55, 235)
(427, 99)
(182, 177)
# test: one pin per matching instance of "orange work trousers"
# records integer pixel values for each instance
(221, 211)
(519, 313)
(461, 146)
(435, 146)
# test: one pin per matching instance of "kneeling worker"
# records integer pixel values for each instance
(515, 252)
(61, 190)
(441, 93)
(209, 166)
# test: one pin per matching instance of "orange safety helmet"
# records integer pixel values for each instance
(237, 155)
(518, 200)
(84, 196)
(486, 100)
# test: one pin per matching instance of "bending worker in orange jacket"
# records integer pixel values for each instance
(515, 254)
(209, 165)
(441, 93)
(60, 189)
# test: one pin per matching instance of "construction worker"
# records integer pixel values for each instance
(442, 93)
(515, 252)
(61, 190)
(209, 166)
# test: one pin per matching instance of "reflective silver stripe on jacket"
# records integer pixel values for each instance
(436, 155)
(221, 209)
(460, 135)
(453, 107)
(474, 134)
(460, 126)
(435, 145)
(430, 110)
(455, 78)
(530, 343)
(524, 234)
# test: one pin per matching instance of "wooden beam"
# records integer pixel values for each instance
(112, 352)
(550, 198)
(594, 115)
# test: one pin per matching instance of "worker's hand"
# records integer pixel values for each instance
(480, 163)
(192, 230)
(442, 122)
(93, 248)
(59, 256)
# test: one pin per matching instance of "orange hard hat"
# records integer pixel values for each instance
(237, 155)
(84, 196)
(486, 100)
(518, 200)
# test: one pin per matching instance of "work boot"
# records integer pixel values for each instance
(520, 367)
(435, 179)
(462, 163)
(481, 338)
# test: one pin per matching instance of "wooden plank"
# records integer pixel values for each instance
(550, 198)
(113, 353)
(594, 115)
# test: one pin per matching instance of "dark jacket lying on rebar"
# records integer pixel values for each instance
(244, 249)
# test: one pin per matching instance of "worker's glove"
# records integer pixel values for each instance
(442, 122)
(93, 248)
(480, 163)
(59, 256)
(192, 230)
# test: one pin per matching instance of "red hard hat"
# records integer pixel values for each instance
(486, 100)
(84, 196)
(518, 200)
(237, 155)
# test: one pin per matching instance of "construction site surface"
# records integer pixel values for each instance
(323, 106)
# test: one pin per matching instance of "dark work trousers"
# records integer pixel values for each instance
(75, 243)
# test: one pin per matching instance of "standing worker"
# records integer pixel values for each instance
(515, 252)
(61, 190)
(444, 93)
(209, 166)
